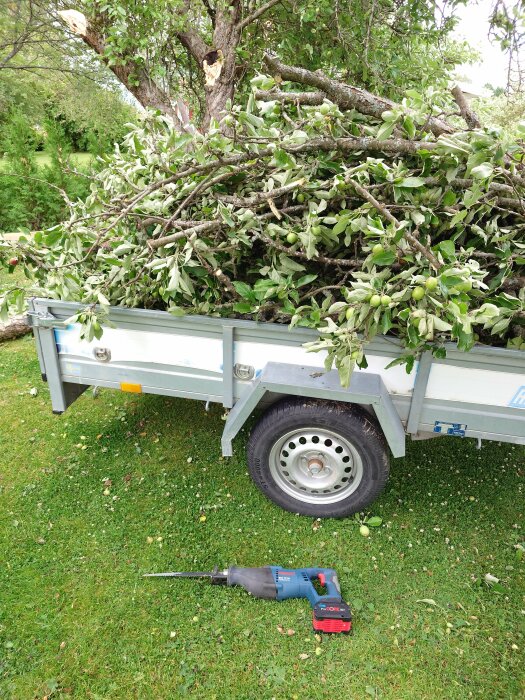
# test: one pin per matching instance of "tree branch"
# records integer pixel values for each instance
(468, 114)
(131, 74)
(257, 13)
(311, 99)
(346, 96)
(204, 227)
(414, 243)
(262, 197)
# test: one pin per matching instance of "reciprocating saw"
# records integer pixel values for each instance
(330, 613)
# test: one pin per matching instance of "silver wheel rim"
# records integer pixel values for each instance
(316, 465)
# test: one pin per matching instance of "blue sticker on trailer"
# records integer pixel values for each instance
(61, 337)
(518, 400)
(455, 429)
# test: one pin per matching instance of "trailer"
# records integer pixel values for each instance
(317, 449)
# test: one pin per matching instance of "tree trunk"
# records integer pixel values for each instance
(132, 75)
(14, 328)
(219, 64)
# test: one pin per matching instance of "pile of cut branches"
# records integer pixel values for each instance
(332, 209)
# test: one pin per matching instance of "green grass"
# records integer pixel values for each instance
(93, 498)
(80, 159)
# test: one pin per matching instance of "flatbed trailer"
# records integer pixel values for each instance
(318, 449)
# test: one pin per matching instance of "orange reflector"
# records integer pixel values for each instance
(132, 388)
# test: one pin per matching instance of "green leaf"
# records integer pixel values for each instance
(306, 279)
(449, 198)
(385, 130)
(243, 307)
(386, 257)
(448, 249)
(52, 237)
(417, 217)
(386, 322)
(282, 159)
(374, 521)
(341, 225)
(244, 290)
(483, 171)
(177, 311)
(411, 182)
(409, 126)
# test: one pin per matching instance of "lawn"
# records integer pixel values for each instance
(80, 159)
(118, 486)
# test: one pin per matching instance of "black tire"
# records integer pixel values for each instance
(351, 428)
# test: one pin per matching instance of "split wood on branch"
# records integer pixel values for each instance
(345, 96)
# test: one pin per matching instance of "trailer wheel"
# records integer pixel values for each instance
(319, 458)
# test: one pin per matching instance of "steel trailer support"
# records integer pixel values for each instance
(291, 380)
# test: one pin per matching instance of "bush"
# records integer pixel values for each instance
(30, 195)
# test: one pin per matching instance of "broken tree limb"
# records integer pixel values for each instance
(466, 111)
(16, 327)
(346, 96)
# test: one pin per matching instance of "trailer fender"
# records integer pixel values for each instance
(291, 380)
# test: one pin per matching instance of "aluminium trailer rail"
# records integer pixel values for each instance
(238, 364)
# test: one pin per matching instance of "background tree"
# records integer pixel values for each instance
(199, 52)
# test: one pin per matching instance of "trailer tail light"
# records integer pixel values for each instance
(131, 388)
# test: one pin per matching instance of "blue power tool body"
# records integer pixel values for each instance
(330, 613)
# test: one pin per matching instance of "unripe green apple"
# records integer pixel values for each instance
(364, 530)
(375, 301)
(292, 237)
(324, 108)
(316, 230)
(378, 248)
(418, 293)
(385, 299)
(431, 283)
(355, 354)
(300, 197)
(350, 313)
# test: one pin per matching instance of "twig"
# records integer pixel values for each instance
(255, 15)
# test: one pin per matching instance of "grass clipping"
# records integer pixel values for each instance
(309, 215)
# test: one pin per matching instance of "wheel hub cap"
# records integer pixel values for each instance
(316, 465)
